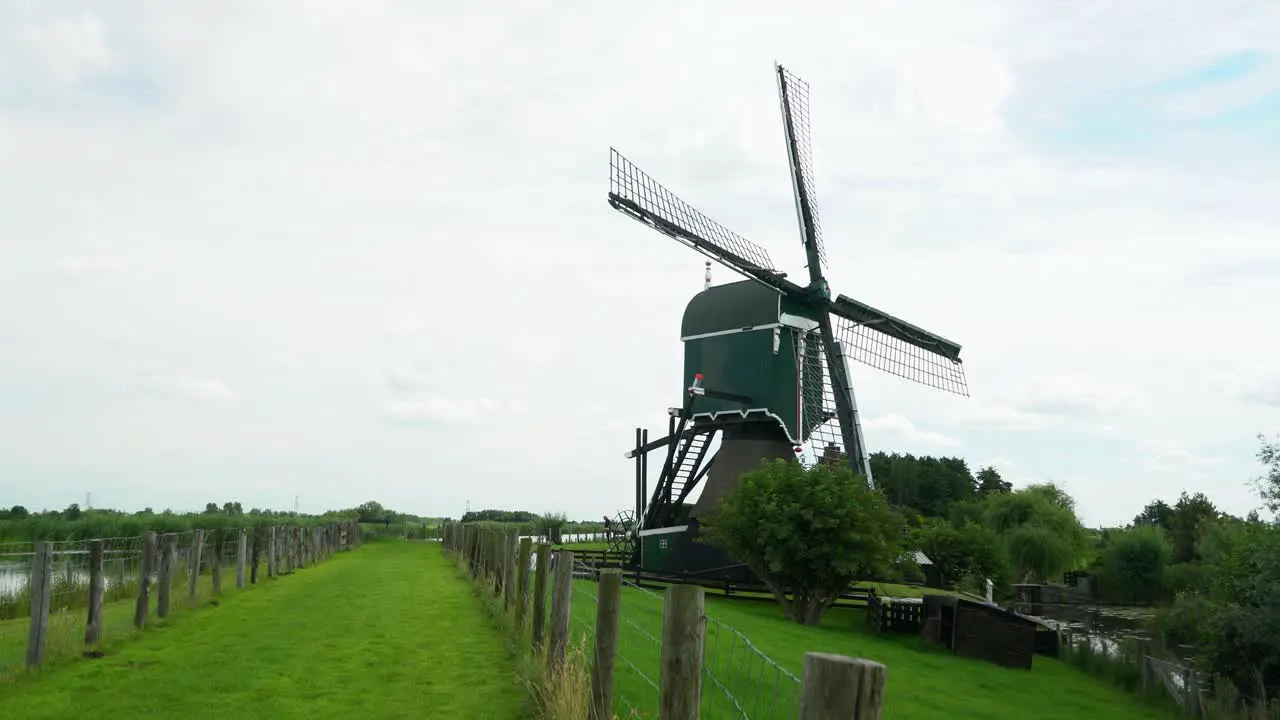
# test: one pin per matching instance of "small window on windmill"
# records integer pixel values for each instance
(662, 544)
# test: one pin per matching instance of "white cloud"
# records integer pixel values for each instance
(183, 387)
(79, 265)
(68, 48)
(1072, 395)
(275, 210)
(906, 432)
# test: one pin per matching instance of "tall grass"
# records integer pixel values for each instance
(563, 695)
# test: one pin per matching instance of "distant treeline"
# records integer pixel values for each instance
(18, 524)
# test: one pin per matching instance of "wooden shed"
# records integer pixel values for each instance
(974, 629)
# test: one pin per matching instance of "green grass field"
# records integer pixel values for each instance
(386, 631)
(922, 682)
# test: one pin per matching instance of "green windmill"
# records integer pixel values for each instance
(765, 367)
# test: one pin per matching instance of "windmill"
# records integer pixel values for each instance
(766, 369)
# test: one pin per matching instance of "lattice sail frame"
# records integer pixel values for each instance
(821, 439)
(867, 345)
(820, 428)
(633, 191)
(795, 99)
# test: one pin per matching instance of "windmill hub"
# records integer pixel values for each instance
(765, 358)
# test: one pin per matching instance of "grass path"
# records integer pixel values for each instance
(388, 631)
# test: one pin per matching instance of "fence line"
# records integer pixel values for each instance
(658, 656)
(63, 598)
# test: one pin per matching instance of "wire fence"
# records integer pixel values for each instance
(739, 680)
(198, 561)
(656, 655)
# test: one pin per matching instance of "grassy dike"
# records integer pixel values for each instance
(386, 631)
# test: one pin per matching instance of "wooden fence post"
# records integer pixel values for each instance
(242, 551)
(561, 598)
(836, 687)
(255, 554)
(197, 550)
(39, 590)
(215, 562)
(168, 558)
(118, 581)
(683, 646)
(509, 550)
(608, 604)
(540, 594)
(503, 565)
(144, 579)
(97, 588)
(522, 580)
(271, 552)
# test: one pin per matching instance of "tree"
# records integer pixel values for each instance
(959, 552)
(552, 525)
(17, 512)
(1191, 515)
(990, 483)
(808, 532)
(1040, 532)
(1157, 512)
(72, 512)
(1134, 565)
(926, 484)
(211, 508)
(1267, 485)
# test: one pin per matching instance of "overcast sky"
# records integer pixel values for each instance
(348, 251)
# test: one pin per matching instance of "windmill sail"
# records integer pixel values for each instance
(793, 93)
(634, 193)
(887, 343)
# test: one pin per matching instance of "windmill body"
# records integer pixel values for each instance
(765, 369)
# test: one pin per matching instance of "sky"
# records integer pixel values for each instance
(328, 252)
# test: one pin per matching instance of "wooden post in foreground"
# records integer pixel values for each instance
(522, 580)
(97, 588)
(540, 594)
(839, 687)
(242, 552)
(39, 588)
(608, 603)
(561, 598)
(197, 549)
(168, 558)
(144, 580)
(683, 647)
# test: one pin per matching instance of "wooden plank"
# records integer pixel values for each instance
(836, 687)
(683, 648)
(608, 605)
(561, 599)
(40, 591)
(97, 589)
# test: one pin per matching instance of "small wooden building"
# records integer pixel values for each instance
(977, 630)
